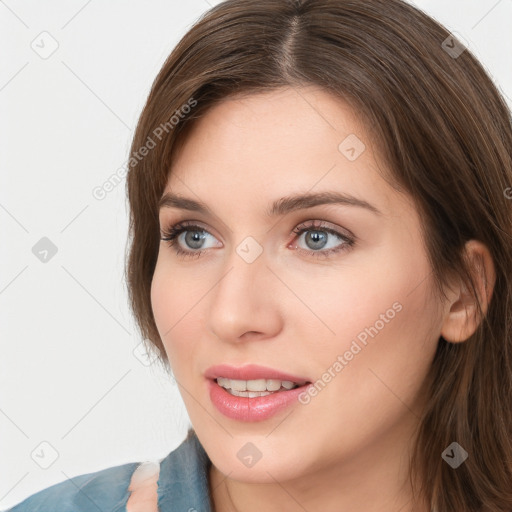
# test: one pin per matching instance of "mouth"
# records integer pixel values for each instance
(252, 392)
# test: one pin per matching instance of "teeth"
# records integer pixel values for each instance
(221, 381)
(239, 385)
(273, 385)
(256, 385)
(250, 394)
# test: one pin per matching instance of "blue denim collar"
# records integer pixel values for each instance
(183, 482)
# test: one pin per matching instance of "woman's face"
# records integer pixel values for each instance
(335, 294)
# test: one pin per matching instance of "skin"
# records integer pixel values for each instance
(143, 490)
(347, 449)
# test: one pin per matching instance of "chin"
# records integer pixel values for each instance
(268, 464)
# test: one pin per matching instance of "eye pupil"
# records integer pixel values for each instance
(194, 237)
(316, 237)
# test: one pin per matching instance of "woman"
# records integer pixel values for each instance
(321, 254)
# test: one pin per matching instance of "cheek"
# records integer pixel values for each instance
(175, 298)
(349, 300)
(369, 374)
(161, 299)
(385, 296)
(178, 299)
(377, 310)
(386, 329)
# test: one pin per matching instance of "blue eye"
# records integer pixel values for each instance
(195, 237)
(317, 239)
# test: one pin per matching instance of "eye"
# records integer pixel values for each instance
(317, 239)
(194, 237)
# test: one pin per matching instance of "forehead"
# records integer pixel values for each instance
(278, 119)
(276, 143)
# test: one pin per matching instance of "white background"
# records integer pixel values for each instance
(68, 374)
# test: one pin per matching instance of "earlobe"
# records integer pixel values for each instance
(463, 316)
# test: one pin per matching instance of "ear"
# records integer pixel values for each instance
(462, 316)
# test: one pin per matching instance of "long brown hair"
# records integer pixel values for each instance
(445, 132)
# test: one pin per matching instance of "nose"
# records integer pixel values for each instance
(244, 304)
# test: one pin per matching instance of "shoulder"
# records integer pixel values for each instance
(179, 480)
(105, 490)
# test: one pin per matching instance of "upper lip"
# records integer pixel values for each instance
(251, 372)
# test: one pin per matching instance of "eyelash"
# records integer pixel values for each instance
(171, 234)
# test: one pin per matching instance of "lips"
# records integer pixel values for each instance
(252, 372)
(252, 406)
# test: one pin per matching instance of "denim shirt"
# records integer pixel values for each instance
(182, 485)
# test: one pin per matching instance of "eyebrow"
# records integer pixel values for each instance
(279, 207)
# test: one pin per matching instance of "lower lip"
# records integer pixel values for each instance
(260, 408)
